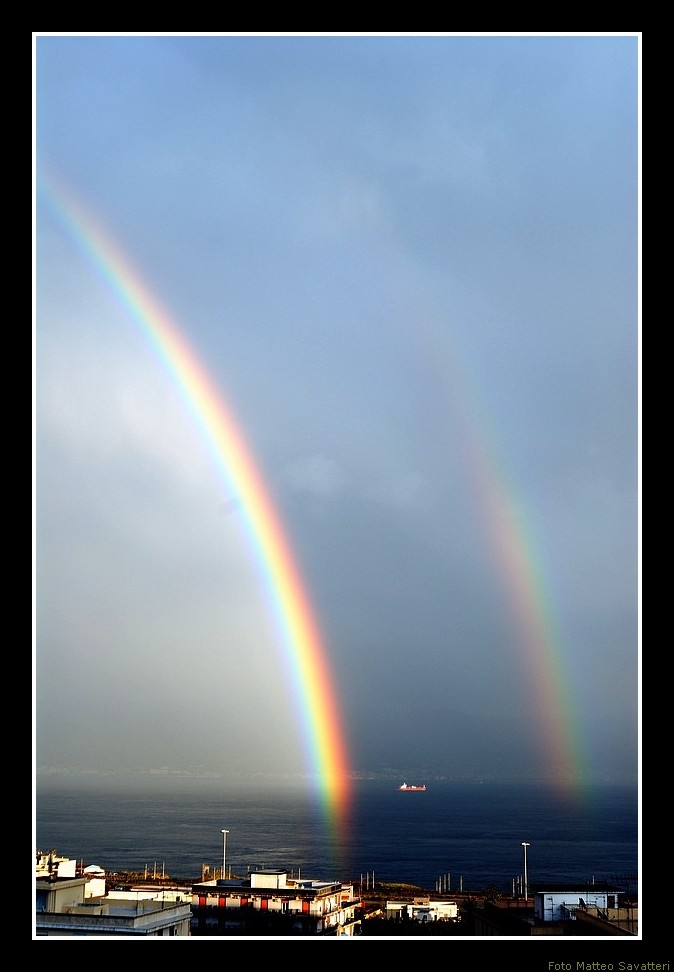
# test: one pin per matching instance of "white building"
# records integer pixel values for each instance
(50, 864)
(53, 865)
(423, 909)
(559, 902)
(153, 892)
(62, 909)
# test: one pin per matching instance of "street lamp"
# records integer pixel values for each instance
(526, 884)
(224, 852)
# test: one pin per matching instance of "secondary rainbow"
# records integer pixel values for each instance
(556, 737)
(321, 723)
(557, 743)
(555, 720)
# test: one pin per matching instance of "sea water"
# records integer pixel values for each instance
(453, 836)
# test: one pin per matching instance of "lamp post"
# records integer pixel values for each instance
(526, 884)
(224, 852)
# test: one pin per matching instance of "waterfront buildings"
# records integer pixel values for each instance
(561, 902)
(77, 901)
(422, 909)
(553, 909)
(62, 909)
(269, 902)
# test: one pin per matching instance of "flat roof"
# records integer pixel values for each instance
(581, 888)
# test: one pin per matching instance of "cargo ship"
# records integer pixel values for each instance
(416, 789)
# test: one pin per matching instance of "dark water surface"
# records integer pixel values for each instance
(465, 835)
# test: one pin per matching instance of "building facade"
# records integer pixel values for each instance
(559, 902)
(559, 909)
(423, 909)
(269, 902)
(62, 909)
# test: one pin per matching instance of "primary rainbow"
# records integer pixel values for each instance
(320, 719)
(507, 528)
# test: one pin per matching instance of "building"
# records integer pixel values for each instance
(505, 917)
(52, 865)
(269, 902)
(62, 908)
(422, 909)
(152, 892)
(596, 909)
(559, 909)
(559, 902)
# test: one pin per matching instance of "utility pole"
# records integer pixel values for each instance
(526, 883)
(224, 852)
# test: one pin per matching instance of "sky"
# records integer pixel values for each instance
(409, 265)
